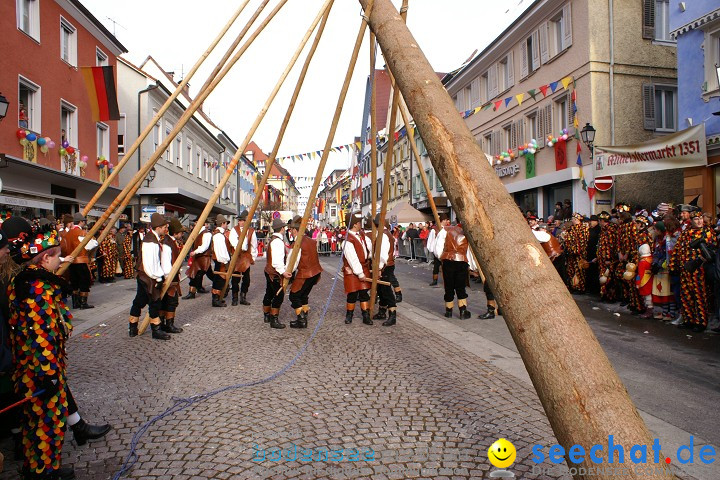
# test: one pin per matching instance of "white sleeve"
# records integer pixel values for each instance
(431, 241)
(207, 236)
(91, 244)
(541, 236)
(352, 258)
(472, 263)
(253, 244)
(297, 262)
(278, 254)
(166, 259)
(234, 238)
(384, 251)
(220, 248)
(151, 261)
(369, 245)
(440, 243)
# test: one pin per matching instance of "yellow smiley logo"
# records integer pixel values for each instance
(502, 453)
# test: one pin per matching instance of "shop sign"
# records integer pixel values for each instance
(679, 150)
(509, 170)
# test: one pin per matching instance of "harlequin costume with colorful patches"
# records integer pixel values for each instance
(576, 243)
(628, 249)
(40, 323)
(693, 285)
(607, 257)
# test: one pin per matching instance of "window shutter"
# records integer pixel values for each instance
(492, 78)
(648, 106)
(567, 26)
(475, 93)
(547, 121)
(544, 53)
(513, 135)
(536, 49)
(571, 114)
(540, 119)
(520, 137)
(524, 55)
(496, 142)
(511, 70)
(648, 28)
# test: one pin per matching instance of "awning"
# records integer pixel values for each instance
(192, 202)
(406, 213)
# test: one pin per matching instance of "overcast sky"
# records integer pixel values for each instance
(177, 32)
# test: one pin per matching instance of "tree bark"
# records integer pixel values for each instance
(582, 395)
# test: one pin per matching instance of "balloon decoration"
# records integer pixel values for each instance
(26, 137)
(564, 135)
(21, 133)
(65, 144)
(509, 155)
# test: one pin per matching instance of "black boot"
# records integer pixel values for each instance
(75, 301)
(267, 317)
(83, 431)
(301, 322)
(133, 329)
(189, 296)
(490, 314)
(275, 322)
(381, 314)
(464, 314)
(366, 317)
(84, 303)
(348, 316)
(234, 300)
(170, 327)
(217, 301)
(434, 281)
(392, 319)
(243, 300)
(448, 312)
(64, 473)
(201, 290)
(158, 334)
(398, 296)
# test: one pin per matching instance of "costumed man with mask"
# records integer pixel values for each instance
(171, 246)
(308, 270)
(201, 261)
(357, 252)
(576, 246)
(80, 275)
(451, 246)
(388, 305)
(221, 255)
(275, 271)
(150, 277)
(247, 257)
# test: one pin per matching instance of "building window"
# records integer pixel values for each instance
(156, 134)
(188, 155)
(101, 59)
(484, 89)
(561, 113)
(169, 154)
(178, 152)
(206, 167)
(506, 76)
(199, 162)
(530, 50)
(28, 105)
(712, 59)
(68, 123)
(506, 137)
(122, 125)
(68, 42)
(28, 17)
(662, 20)
(487, 144)
(103, 140)
(665, 108)
(531, 122)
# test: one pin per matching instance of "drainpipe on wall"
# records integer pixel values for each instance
(139, 149)
(612, 74)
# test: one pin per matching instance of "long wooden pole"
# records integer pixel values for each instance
(389, 160)
(131, 151)
(271, 160)
(230, 169)
(583, 397)
(373, 131)
(189, 112)
(331, 135)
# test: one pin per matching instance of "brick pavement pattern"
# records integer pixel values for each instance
(411, 403)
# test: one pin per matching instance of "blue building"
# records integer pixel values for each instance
(695, 25)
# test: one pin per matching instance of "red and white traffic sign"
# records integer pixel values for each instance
(603, 184)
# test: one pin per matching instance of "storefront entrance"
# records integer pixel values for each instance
(558, 192)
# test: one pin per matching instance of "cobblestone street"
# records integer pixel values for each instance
(398, 402)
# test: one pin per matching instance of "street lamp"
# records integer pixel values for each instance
(4, 104)
(588, 136)
(150, 177)
(401, 187)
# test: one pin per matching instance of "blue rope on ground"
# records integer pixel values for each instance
(184, 403)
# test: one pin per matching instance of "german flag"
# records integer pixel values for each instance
(100, 83)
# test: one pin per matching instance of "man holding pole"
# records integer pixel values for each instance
(357, 252)
(387, 268)
(201, 256)
(451, 247)
(80, 268)
(275, 271)
(247, 257)
(170, 253)
(221, 255)
(150, 276)
(308, 274)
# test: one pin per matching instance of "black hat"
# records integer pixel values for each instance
(594, 218)
(15, 231)
(176, 226)
(354, 218)
(277, 224)
(603, 216)
(295, 222)
(158, 220)
(243, 215)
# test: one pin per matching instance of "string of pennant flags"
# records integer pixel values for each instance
(520, 97)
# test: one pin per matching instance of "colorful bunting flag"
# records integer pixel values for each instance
(553, 86)
(544, 89)
(532, 92)
(519, 97)
(566, 81)
(507, 100)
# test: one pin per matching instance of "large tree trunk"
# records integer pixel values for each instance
(583, 397)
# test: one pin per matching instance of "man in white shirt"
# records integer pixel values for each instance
(275, 271)
(357, 253)
(202, 259)
(79, 271)
(150, 277)
(388, 304)
(247, 257)
(431, 240)
(221, 254)
(452, 248)
(170, 253)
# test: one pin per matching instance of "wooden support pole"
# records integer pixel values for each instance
(271, 160)
(131, 151)
(373, 131)
(583, 397)
(389, 159)
(187, 114)
(331, 135)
